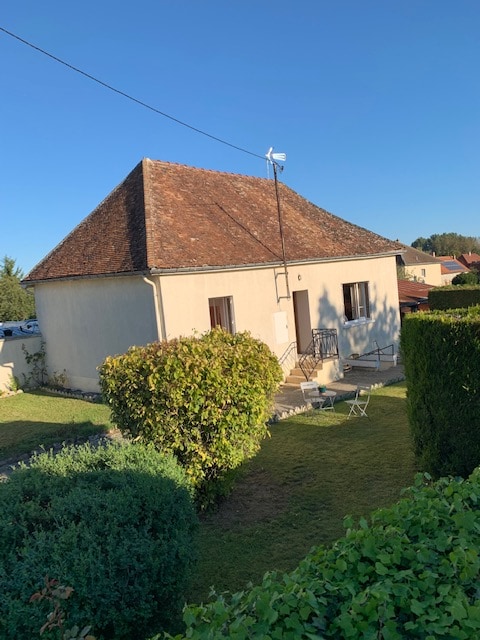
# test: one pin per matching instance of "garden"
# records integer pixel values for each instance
(201, 501)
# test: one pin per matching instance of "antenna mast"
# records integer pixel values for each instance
(273, 158)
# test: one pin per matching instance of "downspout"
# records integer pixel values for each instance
(158, 306)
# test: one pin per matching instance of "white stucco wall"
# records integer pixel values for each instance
(83, 321)
(427, 273)
(12, 359)
(185, 300)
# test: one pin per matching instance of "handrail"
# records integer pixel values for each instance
(389, 350)
(288, 352)
(324, 345)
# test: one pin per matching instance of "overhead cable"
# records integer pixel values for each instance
(129, 97)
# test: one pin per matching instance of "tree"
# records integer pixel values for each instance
(15, 302)
(8, 269)
(470, 277)
(447, 244)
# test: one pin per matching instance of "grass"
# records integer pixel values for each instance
(29, 420)
(315, 469)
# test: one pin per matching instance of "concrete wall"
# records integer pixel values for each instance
(83, 321)
(12, 358)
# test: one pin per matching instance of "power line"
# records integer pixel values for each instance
(129, 97)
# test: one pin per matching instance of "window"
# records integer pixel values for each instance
(356, 302)
(221, 313)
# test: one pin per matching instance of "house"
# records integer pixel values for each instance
(419, 266)
(413, 296)
(470, 260)
(175, 250)
(451, 267)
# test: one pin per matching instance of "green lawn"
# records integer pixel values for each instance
(28, 420)
(315, 469)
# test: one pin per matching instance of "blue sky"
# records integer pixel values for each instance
(376, 103)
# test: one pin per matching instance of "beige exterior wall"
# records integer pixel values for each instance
(83, 321)
(427, 273)
(12, 359)
(256, 308)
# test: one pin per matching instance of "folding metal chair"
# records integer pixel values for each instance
(311, 394)
(359, 404)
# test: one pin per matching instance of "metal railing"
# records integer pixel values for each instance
(324, 345)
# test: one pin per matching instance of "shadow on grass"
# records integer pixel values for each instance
(35, 436)
(316, 468)
(38, 418)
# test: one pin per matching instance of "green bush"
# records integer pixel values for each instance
(469, 277)
(115, 523)
(454, 297)
(411, 573)
(441, 355)
(206, 399)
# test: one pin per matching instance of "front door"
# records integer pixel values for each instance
(303, 327)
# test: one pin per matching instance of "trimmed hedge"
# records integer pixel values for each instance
(454, 297)
(206, 399)
(116, 524)
(411, 573)
(441, 354)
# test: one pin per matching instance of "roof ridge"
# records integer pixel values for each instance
(216, 172)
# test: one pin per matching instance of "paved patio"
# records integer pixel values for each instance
(289, 400)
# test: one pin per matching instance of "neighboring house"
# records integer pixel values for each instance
(420, 266)
(413, 296)
(451, 267)
(470, 260)
(175, 250)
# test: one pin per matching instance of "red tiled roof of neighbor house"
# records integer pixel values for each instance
(470, 259)
(452, 265)
(409, 291)
(166, 216)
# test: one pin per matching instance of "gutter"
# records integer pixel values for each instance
(154, 271)
(158, 305)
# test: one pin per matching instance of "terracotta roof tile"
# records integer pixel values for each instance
(470, 259)
(170, 216)
(409, 291)
(452, 265)
(414, 256)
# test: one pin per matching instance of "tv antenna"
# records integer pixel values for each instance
(274, 159)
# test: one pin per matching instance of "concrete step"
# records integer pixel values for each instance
(297, 376)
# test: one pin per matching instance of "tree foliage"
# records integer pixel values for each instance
(15, 302)
(447, 244)
(469, 277)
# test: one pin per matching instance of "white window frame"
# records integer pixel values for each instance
(222, 313)
(356, 301)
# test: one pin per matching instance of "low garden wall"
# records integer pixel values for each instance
(12, 359)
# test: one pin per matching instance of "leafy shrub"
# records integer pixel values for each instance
(441, 354)
(454, 297)
(468, 277)
(411, 573)
(205, 399)
(116, 524)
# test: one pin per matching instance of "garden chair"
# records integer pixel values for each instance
(358, 404)
(311, 394)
